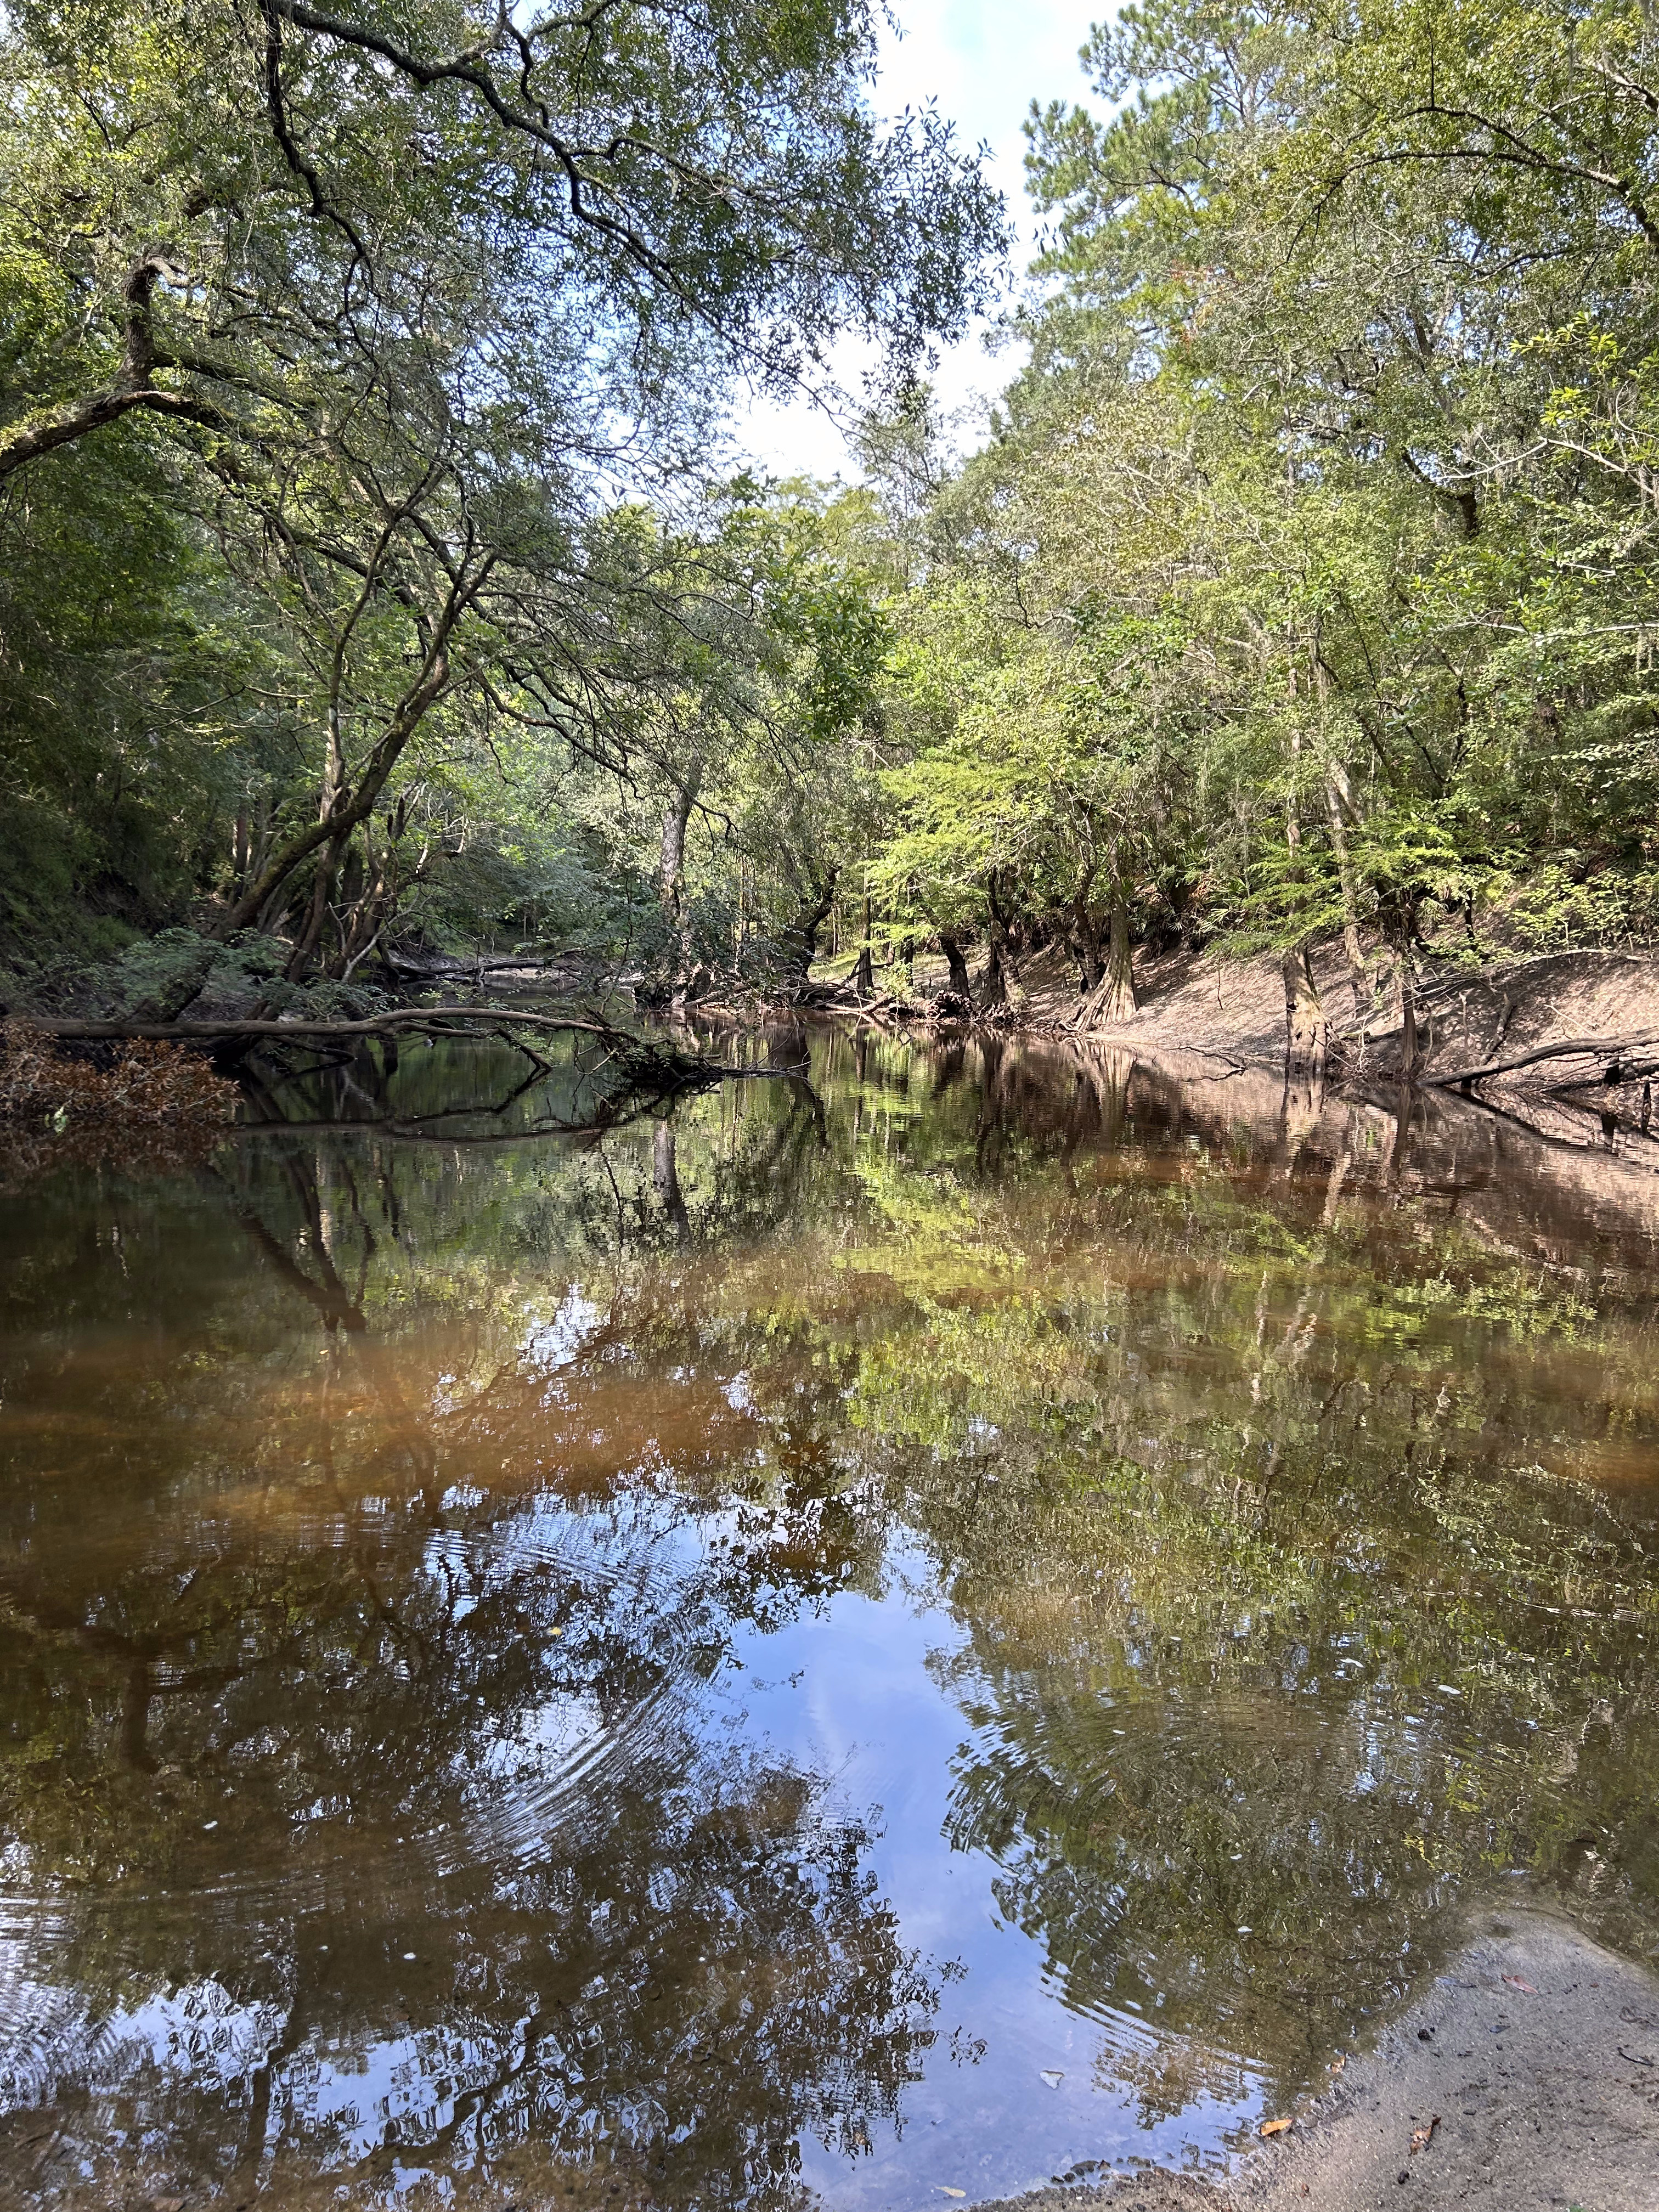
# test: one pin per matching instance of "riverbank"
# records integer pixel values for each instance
(1537, 1034)
(1467, 1016)
(1212, 1006)
(1527, 2080)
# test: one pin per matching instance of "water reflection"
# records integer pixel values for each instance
(980, 1612)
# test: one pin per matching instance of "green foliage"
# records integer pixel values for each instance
(360, 438)
(1304, 583)
(1341, 399)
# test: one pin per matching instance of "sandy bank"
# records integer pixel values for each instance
(1201, 1016)
(1531, 2067)
(1467, 1016)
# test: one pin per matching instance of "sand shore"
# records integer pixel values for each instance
(1532, 2067)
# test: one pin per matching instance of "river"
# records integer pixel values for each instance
(978, 1617)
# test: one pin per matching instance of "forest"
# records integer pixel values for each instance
(380, 578)
(714, 1496)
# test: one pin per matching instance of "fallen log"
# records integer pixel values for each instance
(451, 968)
(398, 1018)
(645, 1060)
(643, 1055)
(1612, 1049)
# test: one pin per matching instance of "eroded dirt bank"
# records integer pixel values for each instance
(1466, 1015)
(1203, 1017)
(1527, 2077)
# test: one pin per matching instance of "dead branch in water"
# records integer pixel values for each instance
(1612, 1050)
(370, 1026)
(643, 1062)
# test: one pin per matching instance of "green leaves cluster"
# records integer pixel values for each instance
(1341, 394)
(372, 564)
(396, 350)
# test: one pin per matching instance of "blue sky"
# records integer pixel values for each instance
(984, 62)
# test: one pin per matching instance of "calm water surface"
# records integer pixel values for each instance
(980, 1616)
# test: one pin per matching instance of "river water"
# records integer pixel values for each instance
(978, 1618)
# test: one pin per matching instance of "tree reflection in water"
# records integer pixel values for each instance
(380, 1520)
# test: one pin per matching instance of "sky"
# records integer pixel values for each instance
(984, 62)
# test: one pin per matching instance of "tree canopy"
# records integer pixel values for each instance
(376, 574)
(390, 350)
(1310, 556)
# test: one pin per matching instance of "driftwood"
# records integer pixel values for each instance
(1611, 1049)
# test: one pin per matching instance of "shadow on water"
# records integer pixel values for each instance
(983, 1610)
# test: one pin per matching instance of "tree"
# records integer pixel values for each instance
(396, 315)
(632, 190)
(1340, 392)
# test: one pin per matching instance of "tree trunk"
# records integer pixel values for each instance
(800, 938)
(1306, 1030)
(1119, 976)
(364, 905)
(1411, 1047)
(671, 875)
(1336, 803)
(1002, 985)
(956, 961)
(671, 851)
(322, 888)
(345, 806)
(864, 974)
(1084, 936)
(993, 986)
(1114, 999)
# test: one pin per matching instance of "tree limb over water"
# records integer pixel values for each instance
(1611, 1050)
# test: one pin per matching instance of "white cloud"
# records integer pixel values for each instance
(984, 62)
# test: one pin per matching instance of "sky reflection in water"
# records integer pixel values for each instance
(982, 1615)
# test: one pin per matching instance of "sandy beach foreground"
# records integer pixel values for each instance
(1527, 2079)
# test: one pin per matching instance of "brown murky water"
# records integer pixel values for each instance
(970, 1621)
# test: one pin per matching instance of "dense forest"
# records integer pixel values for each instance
(379, 574)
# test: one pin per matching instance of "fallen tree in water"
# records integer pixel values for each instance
(452, 1019)
(162, 1074)
(1614, 1053)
